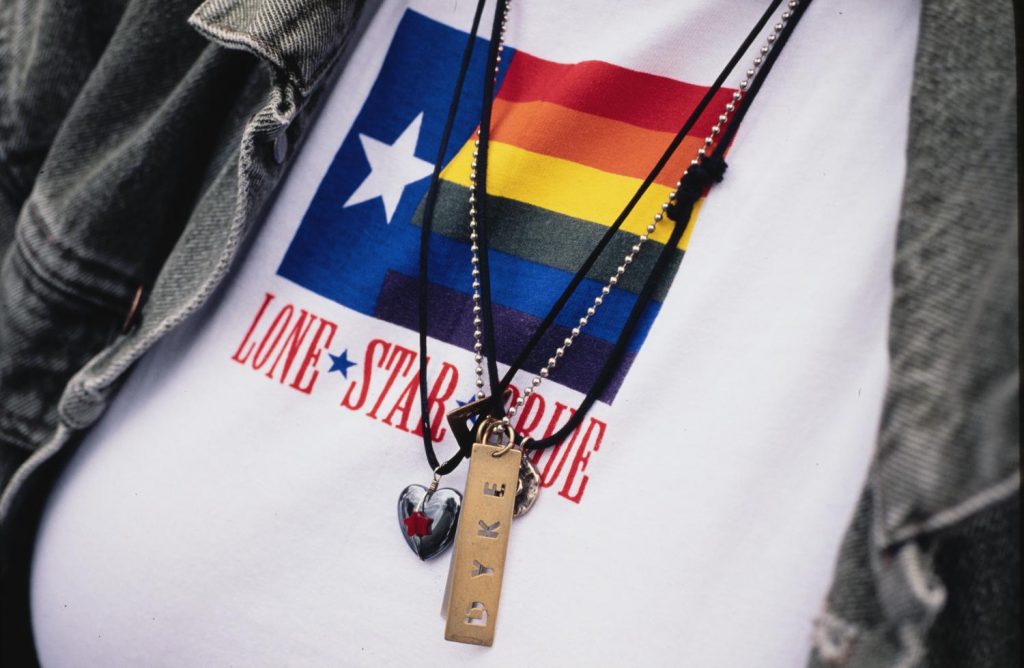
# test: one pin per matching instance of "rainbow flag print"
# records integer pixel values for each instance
(570, 144)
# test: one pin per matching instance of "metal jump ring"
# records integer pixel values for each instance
(509, 432)
(434, 482)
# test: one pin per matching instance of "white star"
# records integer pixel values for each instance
(392, 168)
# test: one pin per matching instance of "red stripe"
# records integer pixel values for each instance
(645, 100)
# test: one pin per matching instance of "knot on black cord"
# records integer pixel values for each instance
(698, 178)
(714, 168)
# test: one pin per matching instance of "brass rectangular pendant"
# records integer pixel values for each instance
(478, 561)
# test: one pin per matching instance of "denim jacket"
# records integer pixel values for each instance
(141, 139)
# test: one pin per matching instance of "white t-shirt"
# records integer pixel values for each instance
(237, 504)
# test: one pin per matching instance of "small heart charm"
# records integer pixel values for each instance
(428, 524)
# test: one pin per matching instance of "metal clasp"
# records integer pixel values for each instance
(431, 488)
(495, 432)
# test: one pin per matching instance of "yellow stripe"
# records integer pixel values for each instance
(567, 188)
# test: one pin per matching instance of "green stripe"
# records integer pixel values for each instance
(538, 235)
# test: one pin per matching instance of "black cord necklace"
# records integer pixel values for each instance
(692, 186)
(429, 516)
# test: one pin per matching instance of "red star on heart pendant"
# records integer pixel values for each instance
(417, 524)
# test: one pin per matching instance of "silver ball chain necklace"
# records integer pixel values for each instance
(502, 483)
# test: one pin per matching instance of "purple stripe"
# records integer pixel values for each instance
(451, 321)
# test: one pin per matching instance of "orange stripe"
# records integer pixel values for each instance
(609, 145)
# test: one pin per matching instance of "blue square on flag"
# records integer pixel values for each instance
(358, 227)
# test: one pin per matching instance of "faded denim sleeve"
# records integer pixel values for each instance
(113, 113)
(160, 166)
(929, 571)
(48, 50)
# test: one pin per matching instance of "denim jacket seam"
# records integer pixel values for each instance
(12, 429)
(834, 637)
(59, 284)
(34, 220)
(127, 350)
(887, 535)
(233, 38)
(281, 107)
(246, 42)
(955, 513)
(53, 444)
(327, 63)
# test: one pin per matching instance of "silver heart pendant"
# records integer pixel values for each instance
(428, 522)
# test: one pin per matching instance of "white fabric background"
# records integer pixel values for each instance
(214, 519)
